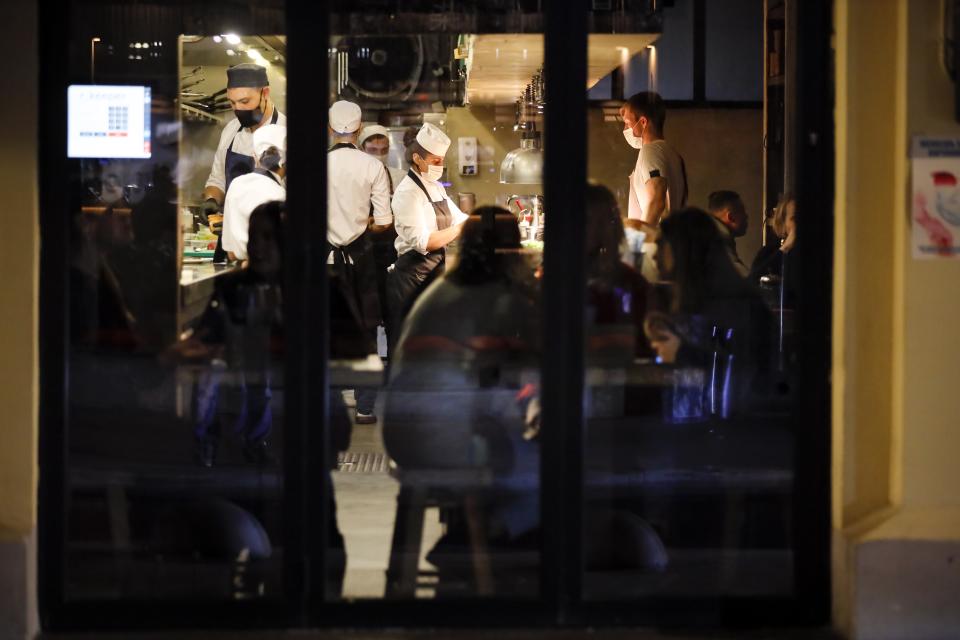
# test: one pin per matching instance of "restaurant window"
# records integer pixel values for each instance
(302, 400)
(690, 343)
(173, 448)
(437, 488)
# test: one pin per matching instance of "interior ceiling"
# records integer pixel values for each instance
(501, 65)
(205, 52)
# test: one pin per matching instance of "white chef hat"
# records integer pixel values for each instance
(433, 139)
(345, 116)
(269, 136)
(372, 130)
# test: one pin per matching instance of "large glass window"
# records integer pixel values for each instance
(378, 391)
(174, 445)
(690, 355)
(436, 217)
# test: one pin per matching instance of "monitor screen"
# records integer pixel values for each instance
(105, 121)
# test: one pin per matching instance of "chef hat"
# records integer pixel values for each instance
(248, 75)
(268, 136)
(372, 130)
(345, 116)
(433, 139)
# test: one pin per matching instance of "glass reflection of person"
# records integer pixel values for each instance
(248, 91)
(241, 325)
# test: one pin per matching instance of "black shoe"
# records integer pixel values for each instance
(205, 452)
(256, 453)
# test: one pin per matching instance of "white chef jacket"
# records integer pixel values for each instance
(657, 159)
(246, 194)
(355, 179)
(414, 217)
(242, 144)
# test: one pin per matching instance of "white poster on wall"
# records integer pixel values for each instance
(936, 198)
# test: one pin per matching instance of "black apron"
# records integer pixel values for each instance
(236, 165)
(355, 271)
(384, 252)
(413, 272)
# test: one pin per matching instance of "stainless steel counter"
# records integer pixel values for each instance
(192, 274)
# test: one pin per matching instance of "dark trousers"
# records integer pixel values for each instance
(240, 398)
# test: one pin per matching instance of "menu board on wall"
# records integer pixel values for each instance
(936, 198)
(105, 121)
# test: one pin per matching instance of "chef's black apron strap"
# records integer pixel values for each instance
(269, 174)
(440, 207)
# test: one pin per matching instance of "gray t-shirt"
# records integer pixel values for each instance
(657, 159)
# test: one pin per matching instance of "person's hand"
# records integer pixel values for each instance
(215, 222)
(209, 208)
(789, 241)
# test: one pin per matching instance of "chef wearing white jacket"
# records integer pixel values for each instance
(426, 220)
(265, 184)
(358, 207)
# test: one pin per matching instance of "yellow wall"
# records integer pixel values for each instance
(896, 354)
(896, 348)
(869, 139)
(931, 379)
(18, 264)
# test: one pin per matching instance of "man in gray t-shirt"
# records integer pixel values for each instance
(658, 183)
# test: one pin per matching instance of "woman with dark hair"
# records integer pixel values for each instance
(712, 313)
(451, 401)
(243, 319)
(616, 293)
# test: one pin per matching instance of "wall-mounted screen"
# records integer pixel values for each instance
(106, 121)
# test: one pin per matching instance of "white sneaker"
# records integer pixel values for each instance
(365, 418)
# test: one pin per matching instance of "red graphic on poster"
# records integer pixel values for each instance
(938, 233)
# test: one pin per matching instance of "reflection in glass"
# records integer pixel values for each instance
(688, 441)
(437, 495)
(175, 380)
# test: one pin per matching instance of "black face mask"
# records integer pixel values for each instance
(250, 117)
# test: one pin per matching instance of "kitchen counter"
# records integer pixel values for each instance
(192, 274)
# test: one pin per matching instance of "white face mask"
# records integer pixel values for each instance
(382, 157)
(634, 141)
(434, 171)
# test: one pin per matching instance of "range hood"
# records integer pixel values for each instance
(499, 66)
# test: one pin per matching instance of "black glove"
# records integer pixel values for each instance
(209, 208)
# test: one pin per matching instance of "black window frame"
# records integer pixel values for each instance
(561, 603)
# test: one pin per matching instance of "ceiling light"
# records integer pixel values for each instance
(231, 52)
(232, 38)
(217, 39)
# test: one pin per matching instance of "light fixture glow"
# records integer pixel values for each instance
(217, 39)
(231, 52)
(232, 38)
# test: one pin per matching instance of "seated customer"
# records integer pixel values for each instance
(772, 256)
(242, 322)
(616, 292)
(731, 218)
(712, 312)
(449, 404)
